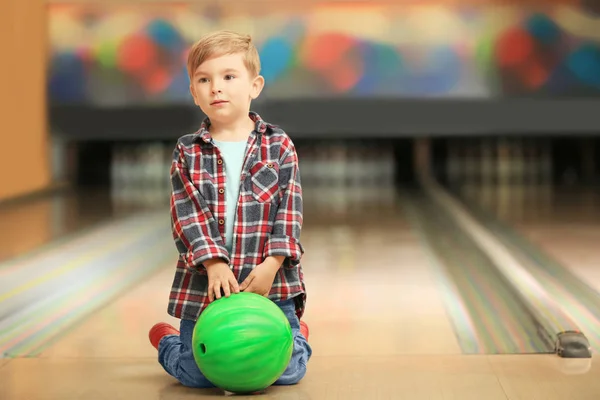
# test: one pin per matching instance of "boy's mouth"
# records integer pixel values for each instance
(218, 102)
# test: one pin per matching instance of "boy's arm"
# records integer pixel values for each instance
(195, 230)
(284, 242)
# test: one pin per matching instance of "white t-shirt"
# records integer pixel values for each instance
(233, 154)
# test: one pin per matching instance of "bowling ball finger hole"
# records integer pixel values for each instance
(203, 348)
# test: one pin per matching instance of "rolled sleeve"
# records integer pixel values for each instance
(193, 226)
(285, 237)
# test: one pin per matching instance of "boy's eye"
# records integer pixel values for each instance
(229, 77)
(202, 80)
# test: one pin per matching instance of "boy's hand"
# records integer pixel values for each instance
(220, 276)
(260, 280)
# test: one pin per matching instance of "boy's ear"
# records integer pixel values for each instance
(257, 86)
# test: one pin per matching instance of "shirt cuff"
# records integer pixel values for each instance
(195, 258)
(284, 246)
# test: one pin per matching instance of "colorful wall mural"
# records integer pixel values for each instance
(135, 55)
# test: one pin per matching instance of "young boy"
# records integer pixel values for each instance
(236, 207)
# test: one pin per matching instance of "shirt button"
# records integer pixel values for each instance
(270, 165)
(221, 191)
(219, 161)
(221, 222)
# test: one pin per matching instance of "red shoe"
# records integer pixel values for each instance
(304, 329)
(159, 331)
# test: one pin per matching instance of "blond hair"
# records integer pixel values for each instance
(220, 43)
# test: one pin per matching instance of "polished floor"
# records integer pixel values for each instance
(379, 322)
(564, 222)
(30, 225)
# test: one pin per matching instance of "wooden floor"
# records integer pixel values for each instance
(565, 223)
(379, 327)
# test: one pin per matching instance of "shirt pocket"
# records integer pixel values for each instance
(264, 178)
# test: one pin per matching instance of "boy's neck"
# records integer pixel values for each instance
(232, 132)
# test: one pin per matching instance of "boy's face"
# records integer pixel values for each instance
(223, 88)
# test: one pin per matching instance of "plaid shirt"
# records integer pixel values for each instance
(268, 217)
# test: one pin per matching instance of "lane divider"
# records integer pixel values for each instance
(498, 321)
(68, 243)
(91, 279)
(25, 322)
(575, 295)
(559, 327)
(461, 321)
(49, 326)
(73, 263)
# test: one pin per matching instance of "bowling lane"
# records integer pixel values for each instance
(34, 224)
(372, 296)
(371, 279)
(40, 223)
(557, 231)
(565, 223)
(120, 329)
(360, 346)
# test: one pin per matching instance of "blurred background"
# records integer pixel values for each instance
(119, 55)
(497, 93)
(500, 88)
(497, 101)
(468, 76)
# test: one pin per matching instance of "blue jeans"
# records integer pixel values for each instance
(176, 357)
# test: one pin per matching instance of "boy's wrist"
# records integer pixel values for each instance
(213, 261)
(274, 261)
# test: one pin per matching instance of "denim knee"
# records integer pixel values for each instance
(196, 382)
(302, 352)
(292, 375)
(176, 356)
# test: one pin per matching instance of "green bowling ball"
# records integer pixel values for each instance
(242, 343)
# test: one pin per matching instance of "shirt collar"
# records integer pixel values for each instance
(260, 126)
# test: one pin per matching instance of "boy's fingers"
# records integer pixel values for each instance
(246, 284)
(234, 285)
(210, 293)
(226, 290)
(217, 290)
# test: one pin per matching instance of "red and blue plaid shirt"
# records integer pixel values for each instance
(268, 217)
